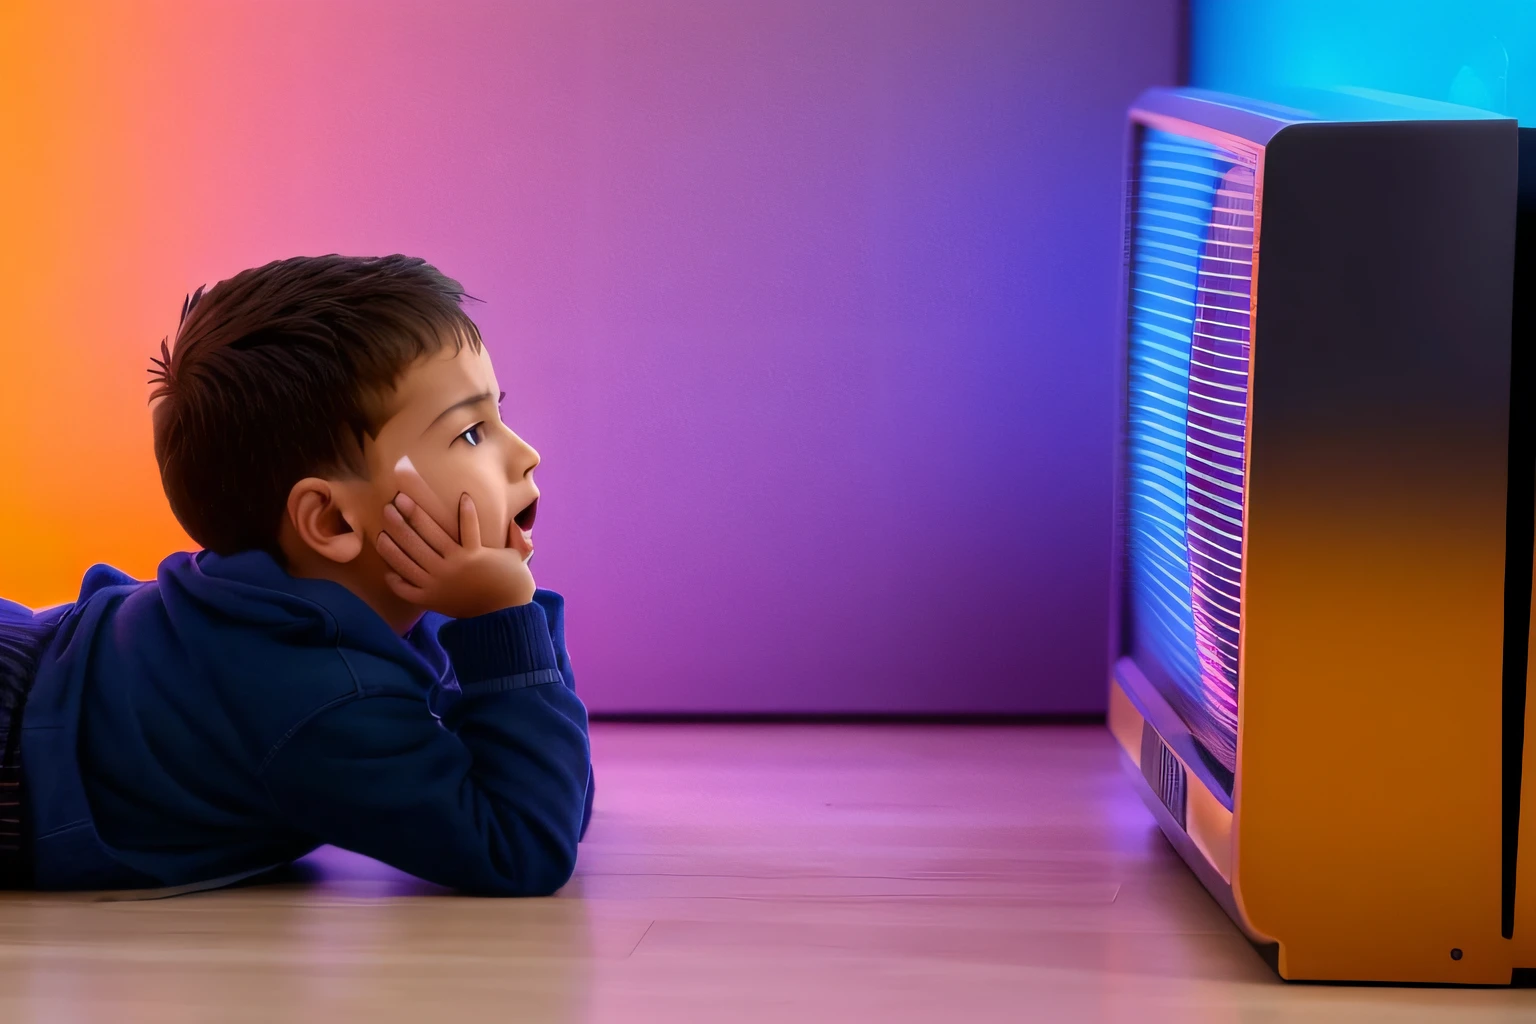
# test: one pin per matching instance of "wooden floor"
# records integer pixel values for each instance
(734, 873)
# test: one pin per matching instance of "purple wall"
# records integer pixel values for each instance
(818, 307)
(810, 307)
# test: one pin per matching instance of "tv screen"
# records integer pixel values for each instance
(1191, 280)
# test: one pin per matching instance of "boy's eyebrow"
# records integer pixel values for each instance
(461, 403)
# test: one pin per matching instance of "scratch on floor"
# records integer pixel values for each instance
(641, 939)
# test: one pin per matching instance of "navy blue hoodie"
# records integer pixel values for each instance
(228, 717)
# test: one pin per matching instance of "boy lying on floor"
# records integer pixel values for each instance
(358, 656)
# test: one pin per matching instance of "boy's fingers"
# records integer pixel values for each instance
(400, 562)
(425, 526)
(409, 541)
(469, 522)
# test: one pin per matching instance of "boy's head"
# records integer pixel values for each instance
(301, 396)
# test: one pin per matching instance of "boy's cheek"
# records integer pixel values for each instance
(493, 516)
(490, 497)
(408, 478)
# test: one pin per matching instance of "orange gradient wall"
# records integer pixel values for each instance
(83, 277)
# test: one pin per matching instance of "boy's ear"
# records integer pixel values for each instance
(316, 508)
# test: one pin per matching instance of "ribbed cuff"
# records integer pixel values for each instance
(511, 642)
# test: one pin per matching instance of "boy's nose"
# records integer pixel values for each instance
(524, 458)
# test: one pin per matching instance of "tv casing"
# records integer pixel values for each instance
(1371, 829)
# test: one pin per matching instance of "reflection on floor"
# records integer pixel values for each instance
(733, 873)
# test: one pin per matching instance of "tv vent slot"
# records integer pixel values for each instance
(1164, 772)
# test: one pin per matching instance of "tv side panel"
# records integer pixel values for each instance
(1367, 816)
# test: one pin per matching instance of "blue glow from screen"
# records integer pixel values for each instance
(1187, 377)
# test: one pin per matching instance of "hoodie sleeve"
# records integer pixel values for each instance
(492, 800)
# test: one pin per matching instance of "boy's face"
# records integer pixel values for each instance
(444, 436)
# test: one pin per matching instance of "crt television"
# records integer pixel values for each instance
(1323, 554)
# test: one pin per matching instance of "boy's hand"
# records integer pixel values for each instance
(460, 579)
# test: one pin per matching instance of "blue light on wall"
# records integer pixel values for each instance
(1480, 53)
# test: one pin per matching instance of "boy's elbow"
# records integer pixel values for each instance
(541, 875)
(524, 852)
(554, 873)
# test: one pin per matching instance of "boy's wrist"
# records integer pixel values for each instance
(511, 597)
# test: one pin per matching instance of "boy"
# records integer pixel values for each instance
(358, 655)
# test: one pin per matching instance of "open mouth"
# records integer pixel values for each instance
(524, 519)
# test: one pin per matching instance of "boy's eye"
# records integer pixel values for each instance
(473, 435)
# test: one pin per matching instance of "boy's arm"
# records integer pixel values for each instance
(554, 610)
(444, 698)
(492, 801)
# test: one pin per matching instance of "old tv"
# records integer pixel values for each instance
(1323, 557)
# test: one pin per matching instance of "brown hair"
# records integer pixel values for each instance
(278, 373)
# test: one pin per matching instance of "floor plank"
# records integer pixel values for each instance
(733, 872)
